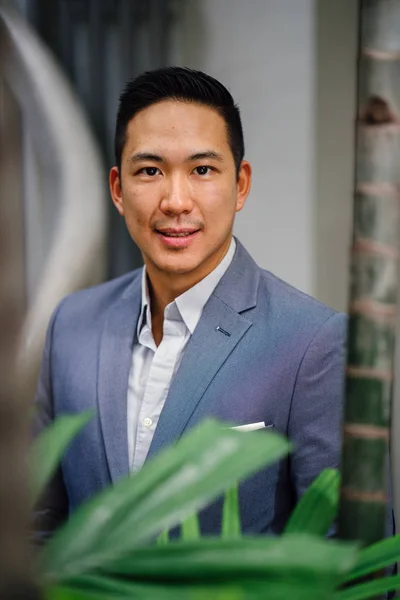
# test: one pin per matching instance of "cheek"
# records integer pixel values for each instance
(219, 205)
(138, 209)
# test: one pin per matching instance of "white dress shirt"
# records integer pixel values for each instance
(152, 367)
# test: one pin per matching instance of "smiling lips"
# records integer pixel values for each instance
(177, 238)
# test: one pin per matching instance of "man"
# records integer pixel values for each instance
(201, 330)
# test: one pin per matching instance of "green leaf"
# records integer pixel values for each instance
(114, 589)
(190, 528)
(317, 508)
(231, 513)
(377, 556)
(163, 538)
(174, 484)
(300, 567)
(106, 589)
(62, 593)
(49, 448)
(369, 589)
(217, 559)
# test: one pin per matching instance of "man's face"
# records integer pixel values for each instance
(178, 189)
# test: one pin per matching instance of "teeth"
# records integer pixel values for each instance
(177, 234)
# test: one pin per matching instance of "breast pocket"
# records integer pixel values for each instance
(254, 426)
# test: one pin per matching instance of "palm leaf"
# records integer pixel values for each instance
(190, 528)
(379, 555)
(179, 481)
(49, 448)
(217, 559)
(102, 588)
(300, 567)
(369, 589)
(231, 513)
(63, 593)
(163, 538)
(316, 510)
(106, 589)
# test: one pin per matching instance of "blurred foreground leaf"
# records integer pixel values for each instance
(375, 557)
(173, 485)
(231, 513)
(317, 508)
(370, 589)
(190, 528)
(105, 589)
(163, 538)
(63, 593)
(49, 448)
(291, 556)
(297, 567)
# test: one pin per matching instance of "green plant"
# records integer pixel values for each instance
(49, 448)
(106, 550)
(314, 514)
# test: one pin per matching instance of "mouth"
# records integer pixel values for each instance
(177, 232)
(177, 238)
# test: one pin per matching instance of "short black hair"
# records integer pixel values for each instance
(178, 83)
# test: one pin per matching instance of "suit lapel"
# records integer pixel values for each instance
(205, 354)
(114, 364)
(219, 330)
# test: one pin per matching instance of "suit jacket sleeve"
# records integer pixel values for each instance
(317, 405)
(52, 507)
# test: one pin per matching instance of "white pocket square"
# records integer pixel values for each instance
(251, 426)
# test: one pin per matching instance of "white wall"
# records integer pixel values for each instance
(336, 50)
(290, 64)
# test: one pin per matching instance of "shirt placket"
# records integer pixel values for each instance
(157, 386)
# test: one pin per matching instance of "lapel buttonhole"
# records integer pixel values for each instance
(218, 328)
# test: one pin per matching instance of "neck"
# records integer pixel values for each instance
(160, 296)
(165, 287)
(163, 290)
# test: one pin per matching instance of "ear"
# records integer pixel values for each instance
(116, 190)
(243, 184)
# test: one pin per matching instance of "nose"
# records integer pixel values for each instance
(176, 198)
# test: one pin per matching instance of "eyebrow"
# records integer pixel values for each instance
(139, 156)
(208, 154)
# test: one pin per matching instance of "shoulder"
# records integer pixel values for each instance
(91, 303)
(291, 307)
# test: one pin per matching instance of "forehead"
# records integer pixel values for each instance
(172, 124)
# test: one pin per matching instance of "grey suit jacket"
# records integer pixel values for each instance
(282, 363)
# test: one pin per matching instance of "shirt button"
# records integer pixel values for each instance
(147, 422)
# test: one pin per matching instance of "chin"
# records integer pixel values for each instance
(178, 267)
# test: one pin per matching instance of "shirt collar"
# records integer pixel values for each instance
(191, 303)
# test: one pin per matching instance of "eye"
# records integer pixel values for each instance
(203, 170)
(149, 171)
